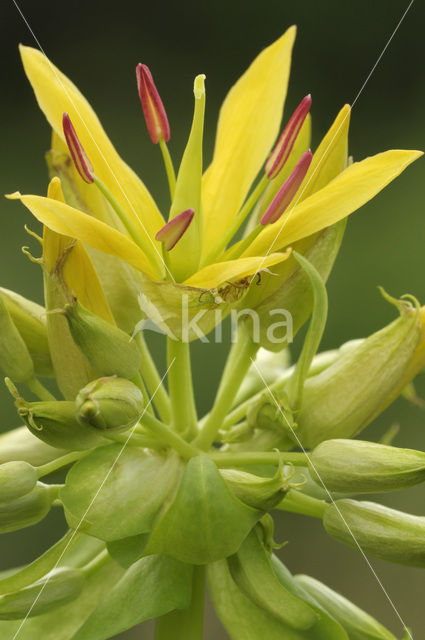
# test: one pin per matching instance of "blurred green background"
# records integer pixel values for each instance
(98, 45)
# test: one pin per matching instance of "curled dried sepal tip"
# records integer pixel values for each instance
(76, 149)
(171, 233)
(153, 108)
(288, 190)
(284, 146)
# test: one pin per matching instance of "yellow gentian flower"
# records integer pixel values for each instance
(199, 266)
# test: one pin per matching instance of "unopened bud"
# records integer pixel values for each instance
(285, 144)
(355, 466)
(108, 349)
(20, 444)
(356, 622)
(30, 320)
(345, 397)
(153, 108)
(55, 589)
(28, 509)
(266, 413)
(110, 404)
(76, 149)
(287, 192)
(379, 531)
(16, 480)
(258, 492)
(171, 233)
(54, 422)
(15, 360)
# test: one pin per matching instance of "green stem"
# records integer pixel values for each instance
(153, 381)
(298, 502)
(170, 437)
(237, 249)
(169, 167)
(237, 222)
(240, 358)
(181, 388)
(185, 624)
(59, 463)
(147, 246)
(136, 440)
(39, 390)
(242, 458)
(138, 381)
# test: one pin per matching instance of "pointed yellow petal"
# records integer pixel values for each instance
(346, 193)
(248, 125)
(56, 94)
(68, 221)
(217, 274)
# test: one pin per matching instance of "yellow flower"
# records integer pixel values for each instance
(199, 266)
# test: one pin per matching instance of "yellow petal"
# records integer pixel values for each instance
(217, 274)
(68, 221)
(248, 125)
(55, 95)
(346, 193)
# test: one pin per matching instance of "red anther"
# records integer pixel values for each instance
(76, 149)
(284, 146)
(287, 192)
(171, 233)
(153, 108)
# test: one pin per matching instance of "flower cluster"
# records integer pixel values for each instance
(154, 497)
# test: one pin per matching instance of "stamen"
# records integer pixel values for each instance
(153, 108)
(171, 233)
(287, 192)
(78, 155)
(283, 148)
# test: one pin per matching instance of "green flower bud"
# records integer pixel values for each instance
(110, 404)
(20, 444)
(341, 400)
(355, 466)
(258, 492)
(109, 350)
(16, 480)
(28, 509)
(15, 360)
(30, 320)
(358, 624)
(380, 531)
(55, 422)
(58, 587)
(265, 414)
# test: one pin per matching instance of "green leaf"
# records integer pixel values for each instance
(63, 622)
(127, 550)
(253, 573)
(152, 587)
(314, 335)
(206, 521)
(126, 504)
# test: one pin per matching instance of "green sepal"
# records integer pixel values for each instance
(28, 509)
(379, 531)
(108, 349)
(252, 571)
(206, 521)
(57, 588)
(358, 624)
(256, 491)
(150, 588)
(15, 360)
(127, 551)
(137, 484)
(16, 479)
(30, 320)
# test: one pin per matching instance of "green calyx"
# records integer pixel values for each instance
(15, 360)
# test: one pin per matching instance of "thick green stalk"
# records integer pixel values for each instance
(242, 458)
(168, 436)
(153, 381)
(185, 624)
(40, 390)
(59, 463)
(298, 502)
(240, 358)
(181, 388)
